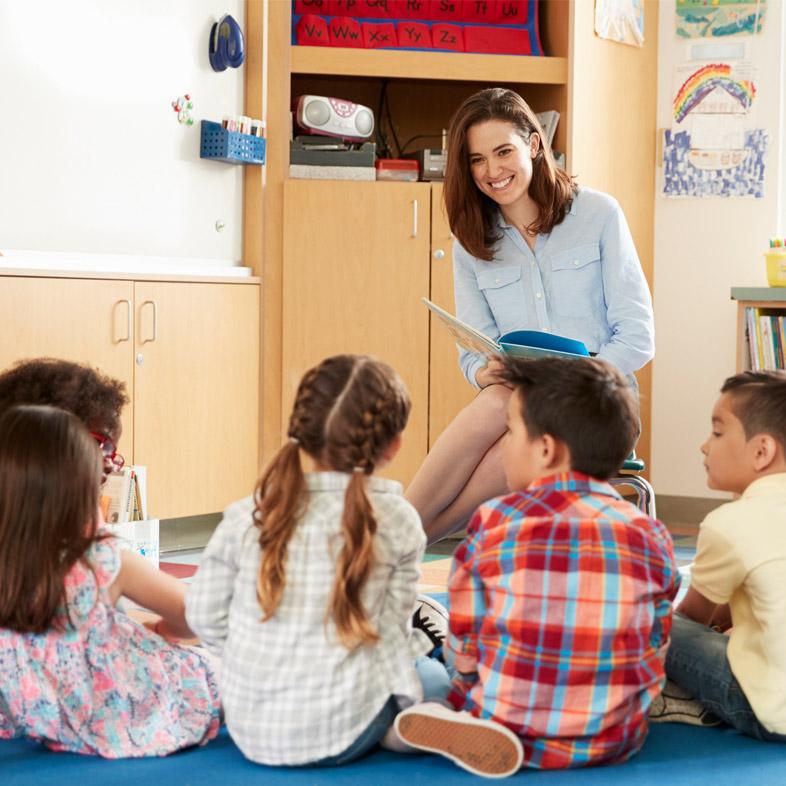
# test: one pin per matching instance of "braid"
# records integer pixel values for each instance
(347, 412)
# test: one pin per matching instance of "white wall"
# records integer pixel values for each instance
(703, 247)
(92, 158)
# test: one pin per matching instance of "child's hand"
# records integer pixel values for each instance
(160, 628)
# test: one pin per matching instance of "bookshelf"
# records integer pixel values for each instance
(768, 302)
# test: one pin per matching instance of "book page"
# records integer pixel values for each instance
(465, 336)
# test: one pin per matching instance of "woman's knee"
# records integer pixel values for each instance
(491, 404)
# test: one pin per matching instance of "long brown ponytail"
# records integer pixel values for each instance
(347, 411)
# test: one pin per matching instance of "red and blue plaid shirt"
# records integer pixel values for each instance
(560, 600)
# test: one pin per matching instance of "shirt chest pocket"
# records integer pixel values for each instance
(576, 281)
(501, 287)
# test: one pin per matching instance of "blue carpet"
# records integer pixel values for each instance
(674, 755)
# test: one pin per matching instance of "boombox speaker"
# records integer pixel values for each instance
(334, 117)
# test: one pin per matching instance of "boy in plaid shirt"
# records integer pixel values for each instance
(560, 595)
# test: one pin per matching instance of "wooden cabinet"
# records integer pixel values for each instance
(84, 320)
(189, 355)
(196, 390)
(355, 267)
(449, 391)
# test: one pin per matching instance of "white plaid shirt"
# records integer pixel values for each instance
(292, 694)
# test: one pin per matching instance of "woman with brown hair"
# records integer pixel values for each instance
(76, 673)
(533, 250)
(306, 590)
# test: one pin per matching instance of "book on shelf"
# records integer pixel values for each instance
(548, 121)
(124, 505)
(517, 343)
(765, 339)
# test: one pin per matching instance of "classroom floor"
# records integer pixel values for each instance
(436, 563)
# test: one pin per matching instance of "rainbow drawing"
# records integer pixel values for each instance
(702, 82)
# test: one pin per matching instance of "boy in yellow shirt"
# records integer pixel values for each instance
(739, 576)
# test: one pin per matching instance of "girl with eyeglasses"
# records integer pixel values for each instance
(95, 398)
(76, 673)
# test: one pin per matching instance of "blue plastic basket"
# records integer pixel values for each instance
(230, 146)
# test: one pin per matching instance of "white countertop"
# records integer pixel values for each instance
(120, 264)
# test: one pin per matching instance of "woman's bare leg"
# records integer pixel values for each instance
(487, 481)
(457, 454)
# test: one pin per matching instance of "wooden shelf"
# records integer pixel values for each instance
(392, 64)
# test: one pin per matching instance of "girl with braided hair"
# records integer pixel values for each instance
(306, 590)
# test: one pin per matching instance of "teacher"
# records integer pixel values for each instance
(535, 251)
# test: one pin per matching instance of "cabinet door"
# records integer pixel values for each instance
(355, 268)
(449, 391)
(84, 320)
(196, 424)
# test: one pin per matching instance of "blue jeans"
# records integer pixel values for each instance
(435, 680)
(697, 661)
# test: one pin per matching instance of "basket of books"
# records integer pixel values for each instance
(124, 505)
(232, 147)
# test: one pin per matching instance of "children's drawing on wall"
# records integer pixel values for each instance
(713, 147)
(714, 18)
(620, 20)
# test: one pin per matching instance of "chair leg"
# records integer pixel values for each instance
(645, 494)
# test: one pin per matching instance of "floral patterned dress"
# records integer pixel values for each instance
(100, 683)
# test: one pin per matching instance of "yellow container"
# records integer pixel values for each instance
(776, 267)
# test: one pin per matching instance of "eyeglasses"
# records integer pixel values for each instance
(113, 461)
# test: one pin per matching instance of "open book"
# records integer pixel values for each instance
(518, 343)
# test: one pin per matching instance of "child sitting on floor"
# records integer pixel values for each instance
(560, 595)
(306, 590)
(93, 397)
(76, 673)
(739, 575)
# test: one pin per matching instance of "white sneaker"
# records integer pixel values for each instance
(676, 705)
(482, 747)
(431, 617)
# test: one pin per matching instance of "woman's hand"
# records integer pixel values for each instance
(490, 374)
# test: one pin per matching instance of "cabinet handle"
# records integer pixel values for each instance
(439, 254)
(414, 218)
(128, 321)
(155, 320)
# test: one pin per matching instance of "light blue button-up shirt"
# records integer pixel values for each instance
(583, 280)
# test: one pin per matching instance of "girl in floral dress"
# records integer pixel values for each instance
(76, 673)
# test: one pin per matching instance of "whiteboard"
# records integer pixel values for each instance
(92, 157)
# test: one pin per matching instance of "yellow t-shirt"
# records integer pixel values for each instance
(741, 560)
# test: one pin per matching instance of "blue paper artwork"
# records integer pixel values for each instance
(704, 173)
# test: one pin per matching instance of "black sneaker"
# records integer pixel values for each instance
(676, 705)
(432, 618)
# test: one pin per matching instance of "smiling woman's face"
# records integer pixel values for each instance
(500, 161)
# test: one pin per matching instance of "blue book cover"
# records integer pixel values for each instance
(517, 343)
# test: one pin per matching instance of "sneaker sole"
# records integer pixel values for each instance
(492, 753)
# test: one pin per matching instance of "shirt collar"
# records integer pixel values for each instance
(766, 486)
(338, 481)
(574, 482)
(505, 225)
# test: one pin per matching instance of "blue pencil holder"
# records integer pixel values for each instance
(231, 147)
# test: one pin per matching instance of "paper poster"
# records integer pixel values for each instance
(713, 147)
(715, 18)
(620, 20)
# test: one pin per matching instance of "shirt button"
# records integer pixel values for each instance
(496, 281)
(576, 262)
(537, 294)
